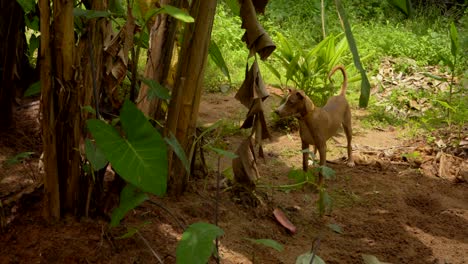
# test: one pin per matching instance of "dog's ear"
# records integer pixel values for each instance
(309, 105)
(300, 94)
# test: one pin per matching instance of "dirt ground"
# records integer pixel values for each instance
(392, 211)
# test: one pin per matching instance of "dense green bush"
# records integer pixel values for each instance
(380, 31)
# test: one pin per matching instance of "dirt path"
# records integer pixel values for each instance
(394, 213)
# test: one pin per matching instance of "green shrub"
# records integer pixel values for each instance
(227, 34)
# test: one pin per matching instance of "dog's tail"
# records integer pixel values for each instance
(344, 86)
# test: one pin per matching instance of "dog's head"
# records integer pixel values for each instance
(296, 103)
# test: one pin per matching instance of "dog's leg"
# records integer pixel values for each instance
(322, 148)
(305, 156)
(349, 135)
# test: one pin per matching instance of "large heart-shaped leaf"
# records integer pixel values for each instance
(196, 245)
(27, 5)
(130, 197)
(141, 157)
(95, 155)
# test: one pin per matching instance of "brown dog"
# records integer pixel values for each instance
(317, 124)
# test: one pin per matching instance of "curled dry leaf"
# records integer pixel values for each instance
(117, 48)
(284, 221)
(245, 165)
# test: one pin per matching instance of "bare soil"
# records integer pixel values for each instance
(393, 212)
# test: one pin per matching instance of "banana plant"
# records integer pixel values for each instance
(365, 85)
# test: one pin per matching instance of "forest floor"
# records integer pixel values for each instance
(388, 206)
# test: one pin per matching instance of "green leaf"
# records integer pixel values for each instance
(32, 23)
(142, 39)
(178, 13)
(33, 89)
(370, 259)
(324, 202)
(274, 71)
(222, 152)
(89, 109)
(116, 6)
(95, 155)
(196, 245)
(141, 157)
(33, 44)
(298, 175)
(18, 158)
(327, 172)
(307, 257)
(340, 49)
(330, 51)
(285, 48)
(267, 242)
(403, 5)
(217, 57)
(455, 42)
(130, 197)
(179, 151)
(234, 6)
(90, 14)
(152, 12)
(447, 61)
(156, 89)
(336, 228)
(27, 5)
(435, 77)
(292, 67)
(133, 230)
(446, 105)
(136, 11)
(365, 84)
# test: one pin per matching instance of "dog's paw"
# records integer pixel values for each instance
(351, 163)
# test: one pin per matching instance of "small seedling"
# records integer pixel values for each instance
(18, 158)
(265, 242)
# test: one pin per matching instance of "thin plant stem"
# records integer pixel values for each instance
(217, 207)
(150, 248)
(322, 6)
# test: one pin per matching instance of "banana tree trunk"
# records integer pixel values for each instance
(183, 108)
(14, 64)
(162, 38)
(51, 180)
(66, 85)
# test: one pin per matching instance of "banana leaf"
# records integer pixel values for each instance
(365, 85)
